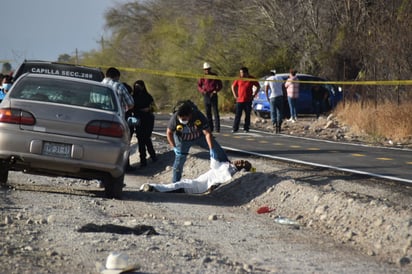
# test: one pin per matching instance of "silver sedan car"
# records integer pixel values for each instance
(61, 126)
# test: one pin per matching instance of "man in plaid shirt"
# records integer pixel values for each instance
(112, 79)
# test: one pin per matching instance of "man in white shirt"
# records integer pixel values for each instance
(274, 94)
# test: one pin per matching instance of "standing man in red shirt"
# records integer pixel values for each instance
(244, 92)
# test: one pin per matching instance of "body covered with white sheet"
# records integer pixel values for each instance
(219, 173)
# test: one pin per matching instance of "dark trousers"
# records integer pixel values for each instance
(318, 106)
(240, 107)
(276, 110)
(144, 136)
(211, 106)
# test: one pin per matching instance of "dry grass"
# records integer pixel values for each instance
(387, 120)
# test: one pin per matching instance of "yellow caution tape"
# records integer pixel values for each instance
(223, 78)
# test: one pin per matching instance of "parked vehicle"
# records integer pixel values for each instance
(56, 68)
(261, 106)
(63, 126)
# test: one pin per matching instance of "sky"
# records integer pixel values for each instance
(44, 29)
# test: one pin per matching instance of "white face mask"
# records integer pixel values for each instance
(6, 86)
(183, 122)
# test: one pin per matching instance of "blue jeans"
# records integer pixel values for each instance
(184, 147)
(276, 110)
(292, 106)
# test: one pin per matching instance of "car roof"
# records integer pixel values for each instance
(73, 79)
(56, 68)
(286, 75)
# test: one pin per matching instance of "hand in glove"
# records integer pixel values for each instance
(213, 154)
(177, 151)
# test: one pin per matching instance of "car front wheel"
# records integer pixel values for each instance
(113, 187)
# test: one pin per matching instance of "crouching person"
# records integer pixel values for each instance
(187, 127)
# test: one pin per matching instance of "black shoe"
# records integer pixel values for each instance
(217, 130)
(245, 130)
(234, 131)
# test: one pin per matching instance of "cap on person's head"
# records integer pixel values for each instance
(206, 65)
(184, 108)
(273, 71)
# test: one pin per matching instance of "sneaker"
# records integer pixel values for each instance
(234, 131)
(245, 130)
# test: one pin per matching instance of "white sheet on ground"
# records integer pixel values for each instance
(218, 174)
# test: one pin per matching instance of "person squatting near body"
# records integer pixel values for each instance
(209, 88)
(274, 94)
(187, 127)
(243, 91)
(292, 89)
(143, 111)
(219, 173)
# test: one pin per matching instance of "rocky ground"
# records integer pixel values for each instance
(345, 223)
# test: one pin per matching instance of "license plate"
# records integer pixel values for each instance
(57, 149)
(259, 107)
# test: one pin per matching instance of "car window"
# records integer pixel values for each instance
(65, 92)
(306, 86)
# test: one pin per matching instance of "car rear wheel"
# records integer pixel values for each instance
(4, 174)
(113, 187)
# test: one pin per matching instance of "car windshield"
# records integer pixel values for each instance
(65, 92)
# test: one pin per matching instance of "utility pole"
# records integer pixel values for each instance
(77, 57)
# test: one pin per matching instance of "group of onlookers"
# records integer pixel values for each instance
(275, 95)
(188, 126)
(138, 104)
